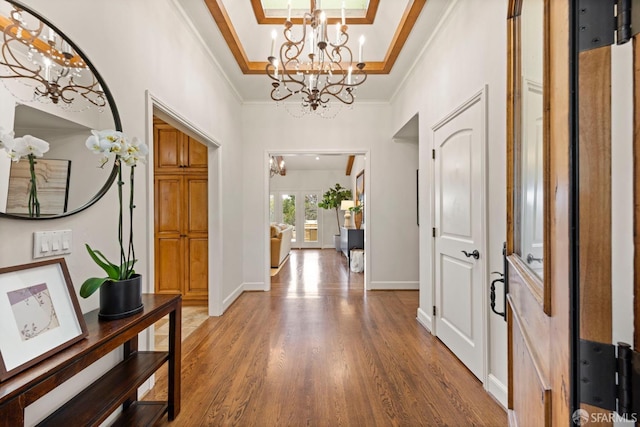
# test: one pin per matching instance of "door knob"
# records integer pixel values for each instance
(475, 254)
(531, 258)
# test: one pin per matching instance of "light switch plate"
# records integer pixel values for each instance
(51, 243)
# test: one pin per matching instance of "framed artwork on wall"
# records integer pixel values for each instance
(39, 314)
(360, 191)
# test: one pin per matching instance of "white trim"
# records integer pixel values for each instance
(425, 320)
(481, 97)
(395, 286)
(232, 297)
(215, 200)
(253, 286)
(205, 46)
(497, 389)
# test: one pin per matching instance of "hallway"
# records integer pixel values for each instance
(317, 350)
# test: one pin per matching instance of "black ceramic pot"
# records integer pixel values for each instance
(120, 298)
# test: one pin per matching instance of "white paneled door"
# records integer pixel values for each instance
(460, 233)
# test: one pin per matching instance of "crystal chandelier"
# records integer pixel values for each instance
(43, 61)
(315, 66)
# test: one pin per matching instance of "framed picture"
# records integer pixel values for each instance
(360, 190)
(39, 314)
(52, 182)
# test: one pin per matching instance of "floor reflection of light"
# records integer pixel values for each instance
(305, 282)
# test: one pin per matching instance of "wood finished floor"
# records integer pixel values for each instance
(319, 351)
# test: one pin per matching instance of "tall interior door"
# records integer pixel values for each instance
(181, 214)
(460, 233)
(299, 209)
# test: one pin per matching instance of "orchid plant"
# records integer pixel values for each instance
(28, 147)
(108, 143)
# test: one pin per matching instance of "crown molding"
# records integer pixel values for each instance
(220, 16)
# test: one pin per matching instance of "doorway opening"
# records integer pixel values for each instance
(293, 194)
(205, 243)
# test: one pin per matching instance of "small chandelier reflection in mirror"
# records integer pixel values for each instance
(276, 166)
(45, 63)
(316, 66)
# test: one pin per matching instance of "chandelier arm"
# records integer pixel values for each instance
(350, 98)
(16, 66)
(93, 96)
(275, 96)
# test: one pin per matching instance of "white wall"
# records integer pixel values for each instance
(320, 181)
(622, 192)
(391, 261)
(467, 52)
(138, 46)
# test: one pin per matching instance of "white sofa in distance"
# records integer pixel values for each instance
(281, 235)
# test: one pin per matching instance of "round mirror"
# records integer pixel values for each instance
(51, 97)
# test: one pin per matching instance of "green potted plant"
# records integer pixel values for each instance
(120, 291)
(356, 212)
(332, 199)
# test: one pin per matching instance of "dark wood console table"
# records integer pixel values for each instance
(118, 387)
(351, 238)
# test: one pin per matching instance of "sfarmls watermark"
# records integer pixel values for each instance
(582, 417)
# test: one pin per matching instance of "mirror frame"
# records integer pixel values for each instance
(539, 287)
(114, 111)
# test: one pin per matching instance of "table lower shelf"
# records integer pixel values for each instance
(141, 414)
(93, 405)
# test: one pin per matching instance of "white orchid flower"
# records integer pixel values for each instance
(137, 149)
(27, 145)
(6, 139)
(107, 142)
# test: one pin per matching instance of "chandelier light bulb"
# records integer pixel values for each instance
(274, 36)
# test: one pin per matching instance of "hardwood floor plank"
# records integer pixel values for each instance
(317, 350)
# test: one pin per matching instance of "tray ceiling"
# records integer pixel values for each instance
(238, 34)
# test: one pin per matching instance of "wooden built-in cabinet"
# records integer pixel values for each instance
(181, 215)
(116, 388)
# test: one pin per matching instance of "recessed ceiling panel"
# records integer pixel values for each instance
(333, 8)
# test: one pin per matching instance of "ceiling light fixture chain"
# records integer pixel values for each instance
(324, 72)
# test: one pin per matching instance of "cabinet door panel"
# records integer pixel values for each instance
(169, 274)
(168, 147)
(196, 194)
(196, 153)
(168, 189)
(196, 267)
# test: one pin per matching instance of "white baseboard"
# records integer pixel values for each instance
(424, 319)
(394, 286)
(497, 389)
(253, 286)
(226, 303)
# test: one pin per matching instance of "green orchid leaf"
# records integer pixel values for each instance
(91, 285)
(112, 270)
